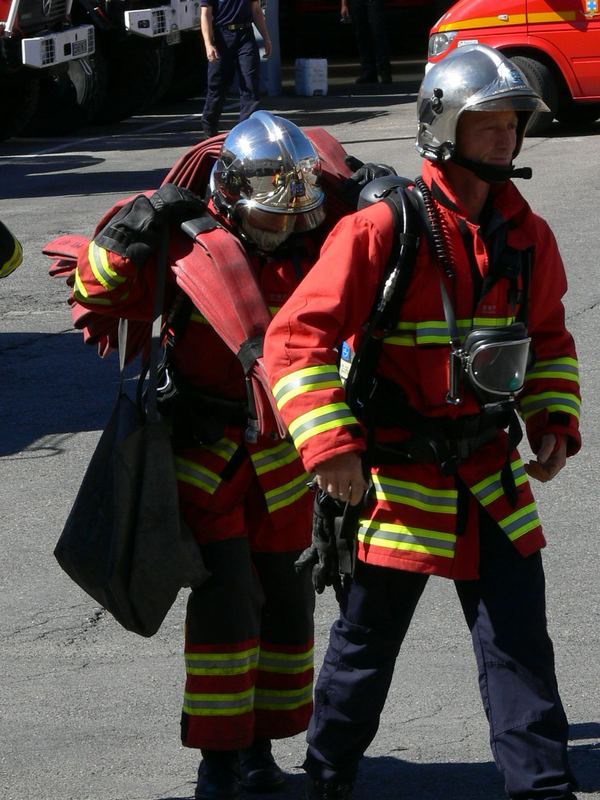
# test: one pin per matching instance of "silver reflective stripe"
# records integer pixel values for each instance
(423, 499)
(424, 540)
(306, 377)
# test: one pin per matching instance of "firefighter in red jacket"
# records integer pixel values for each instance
(479, 334)
(249, 628)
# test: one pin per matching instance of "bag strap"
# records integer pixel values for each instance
(151, 372)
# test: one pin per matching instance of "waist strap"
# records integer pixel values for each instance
(236, 26)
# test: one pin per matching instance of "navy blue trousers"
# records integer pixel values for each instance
(505, 610)
(371, 31)
(238, 53)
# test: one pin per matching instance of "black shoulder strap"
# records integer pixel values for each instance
(385, 312)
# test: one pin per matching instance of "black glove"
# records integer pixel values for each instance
(135, 230)
(322, 554)
(363, 174)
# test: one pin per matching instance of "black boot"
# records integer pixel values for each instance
(218, 776)
(259, 772)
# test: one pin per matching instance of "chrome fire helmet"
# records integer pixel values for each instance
(470, 78)
(267, 180)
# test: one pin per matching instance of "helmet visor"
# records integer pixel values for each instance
(279, 222)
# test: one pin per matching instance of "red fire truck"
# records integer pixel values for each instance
(556, 44)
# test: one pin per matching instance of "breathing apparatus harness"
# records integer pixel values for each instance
(492, 360)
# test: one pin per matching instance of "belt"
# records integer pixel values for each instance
(241, 26)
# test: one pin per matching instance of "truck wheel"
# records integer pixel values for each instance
(19, 101)
(71, 99)
(133, 78)
(542, 81)
(578, 113)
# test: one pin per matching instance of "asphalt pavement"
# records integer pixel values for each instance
(91, 712)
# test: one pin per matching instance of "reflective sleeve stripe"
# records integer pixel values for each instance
(268, 460)
(520, 522)
(225, 705)
(566, 369)
(282, 699)
(80, 294)
(306, 380)
(286, 663)
(550, 401)
(334, 415)
(490, 489)
(287, 494)
(103, 272)
(399, 537)
(442, 501)
(221, 663)
(187, 471)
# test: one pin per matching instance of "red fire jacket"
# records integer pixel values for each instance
(412, 523)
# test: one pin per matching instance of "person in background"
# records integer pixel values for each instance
(428, 424)
(11, 252)
(231, 49)
(369, 20)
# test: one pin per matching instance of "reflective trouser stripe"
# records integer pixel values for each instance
(399, 537)
(225, 704)
(278, 700)
(216, 664)
(285, 663)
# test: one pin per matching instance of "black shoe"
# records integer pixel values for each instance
(327, 790)
(208, 129)
(218, 776)
(367, 77)
(385, 76)
(259, 772)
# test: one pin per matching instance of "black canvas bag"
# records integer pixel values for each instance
(124, 542)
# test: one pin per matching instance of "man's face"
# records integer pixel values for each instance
(488, 137)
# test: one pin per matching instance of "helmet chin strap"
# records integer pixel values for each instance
(492, 173)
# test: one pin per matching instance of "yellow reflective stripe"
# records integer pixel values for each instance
(492, 322)
(490, 489)
(221, 663)
(103, 272)
(187, 471)
(325, 418)
(218, 705)
(288, 493)
(550, 401)
(399, 537)
(520, 522)
(436, 331)
(483, 22)
(282, 699)
(13, 261)
(306, 380)
(273, 310)
(441, 501)
(268, 460)
(552, 16)
(196, 316)
(286, 663)
(566, 369)
(81, 295)
(225, 448)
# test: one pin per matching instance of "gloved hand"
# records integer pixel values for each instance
(135, 230)
(322, 555)
(363, 174)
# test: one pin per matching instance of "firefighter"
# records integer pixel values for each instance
(11, 252)
(249, 628)
(478, 335)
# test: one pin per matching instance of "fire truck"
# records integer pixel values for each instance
(37, 40)
(556, 44)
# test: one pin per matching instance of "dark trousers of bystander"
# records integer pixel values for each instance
(238, 53)
(505, 610)
(372, 40)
